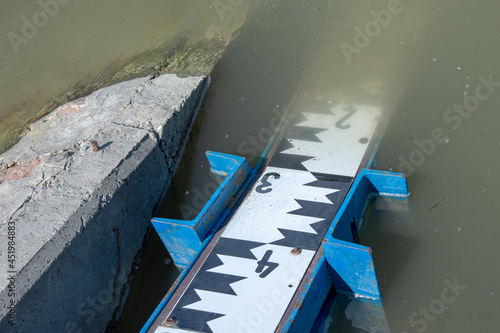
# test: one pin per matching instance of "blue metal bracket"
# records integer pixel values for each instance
(311, 300)
(183, 239)
(352, 265)
(367, 182)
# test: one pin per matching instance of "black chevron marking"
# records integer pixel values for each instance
(328, 180)
(335, 197)
(315, 209)
(288, 161)
(284, 145)
(189, 319)
(216, 282)
(300, 117)
(303, 240)
(326, 211)
(235, 248)
(304, 133)
(296, 132)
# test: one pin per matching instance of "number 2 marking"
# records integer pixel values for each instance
(264, 262)
(339, 124)
(264, 187)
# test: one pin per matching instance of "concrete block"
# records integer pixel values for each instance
(80, 215)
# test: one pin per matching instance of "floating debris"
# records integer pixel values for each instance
(438, 203)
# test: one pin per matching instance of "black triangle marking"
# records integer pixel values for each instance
(196, 320)
(315, 209)
(305, 133)
(326, 211)
(300, 117)
(235, 248)
(190, 319)
(288, 161)
(328, 184)
(303, 240)
(309, 241)
(325, 178)
(219, 282)
(216, 282)
(283, 145)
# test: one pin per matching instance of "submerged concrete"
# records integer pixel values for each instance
(76, 196)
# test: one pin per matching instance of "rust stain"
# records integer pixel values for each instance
(63, 110)
(18, 171)
(298, 306)
(68, 108)
(170, 321)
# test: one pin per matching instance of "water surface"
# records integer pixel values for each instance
(425, 57)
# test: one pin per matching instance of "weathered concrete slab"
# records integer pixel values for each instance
(79, 215)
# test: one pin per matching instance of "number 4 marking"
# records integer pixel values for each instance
(264, 262)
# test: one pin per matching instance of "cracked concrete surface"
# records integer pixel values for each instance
(68, 202)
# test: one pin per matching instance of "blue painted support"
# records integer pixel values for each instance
(176, 284)
(311, 300)
(367, 182)
(207, 240)
(224, 165)
(353, 270)
(352, 265)
(183, 239)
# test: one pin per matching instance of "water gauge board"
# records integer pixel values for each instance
(248, 275)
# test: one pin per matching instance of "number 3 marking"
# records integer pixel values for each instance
(265, 183)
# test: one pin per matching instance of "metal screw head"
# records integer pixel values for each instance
(296, 250)
(170, 321)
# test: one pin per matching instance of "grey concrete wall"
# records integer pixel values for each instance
(79, 215)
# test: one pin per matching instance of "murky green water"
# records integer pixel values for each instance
(429, 57)
(416, 63)
(52, 51)
(420, 252)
